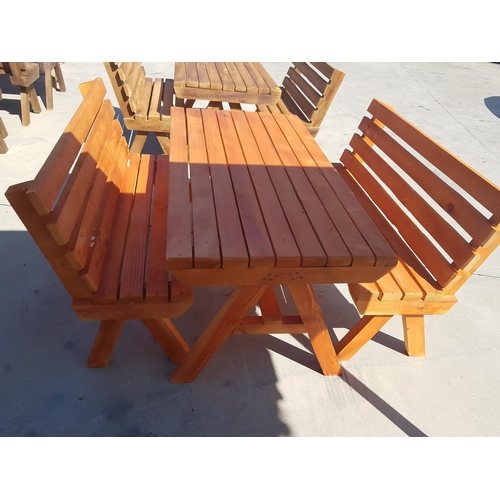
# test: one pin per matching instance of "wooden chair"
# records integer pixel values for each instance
(3, 133)
(307, 91)
(144, 102)
(98, 214)
(442, 219)
(24, 74)
(53, 80)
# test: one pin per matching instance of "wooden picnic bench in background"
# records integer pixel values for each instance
(439, 215)
(98, 214)
(307, 91)
(24, 75)
(144, 102)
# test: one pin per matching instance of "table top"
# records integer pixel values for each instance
(254, 200)
(239, 82)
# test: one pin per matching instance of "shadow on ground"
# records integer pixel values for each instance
(46, 389)
(493, 104)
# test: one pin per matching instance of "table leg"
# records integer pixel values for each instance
(310, 312)
(217, 332)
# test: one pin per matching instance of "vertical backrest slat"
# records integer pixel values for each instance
(47, 184)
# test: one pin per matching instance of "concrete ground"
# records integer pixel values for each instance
(255, 385)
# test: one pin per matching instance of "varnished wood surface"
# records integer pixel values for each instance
(266, 203)
(243, 82)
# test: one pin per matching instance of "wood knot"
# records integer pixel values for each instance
(450, 207)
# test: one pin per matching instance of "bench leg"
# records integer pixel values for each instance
(414, 333)
(104, 343)
(139, 141)
(3, 134)
(25, 107)
(35, 103)
(363, 331)
(165, 333)
(164, 141)
(49, 97)
(59, 78)
(310, 312)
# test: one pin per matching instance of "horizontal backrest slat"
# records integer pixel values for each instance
(319, 83)
(452, 202)
(445, 234)
(311, 93)
(101, 233)
(301, 101)
(47, 184)
(444, 211)
(78, 247)
(63, 218)
(467, 178)
(440, 268)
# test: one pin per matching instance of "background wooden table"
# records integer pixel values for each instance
(232, 82)
(267, 208)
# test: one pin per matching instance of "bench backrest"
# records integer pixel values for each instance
(446, 213)
(309, 89)
(127, 79)
(21, 72)
(69, 207)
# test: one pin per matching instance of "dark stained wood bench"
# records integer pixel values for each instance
(144, 102)
(439, 215)
(98, 213)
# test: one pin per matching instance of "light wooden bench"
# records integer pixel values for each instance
(307, 91)
(53, 80)
(144, 102)
(439, 215)
(24, 75)
(3, 133)
(98, 214)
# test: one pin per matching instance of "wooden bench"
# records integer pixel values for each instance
(24, 75)
(439, 215)
(307, 91)
(3, 133)
(98, 214)
(144, 102)
(53, 80)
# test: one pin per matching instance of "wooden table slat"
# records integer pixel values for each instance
(333, 245)
(232, 241)
(286, 250)
(205, 233)
(257, 239)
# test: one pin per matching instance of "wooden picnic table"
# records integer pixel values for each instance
(232, 82)
(254, 202)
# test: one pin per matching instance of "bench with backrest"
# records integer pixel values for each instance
(439, 215)
(98, 213)
(307, 91)
(144, 102)
(24, 75)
